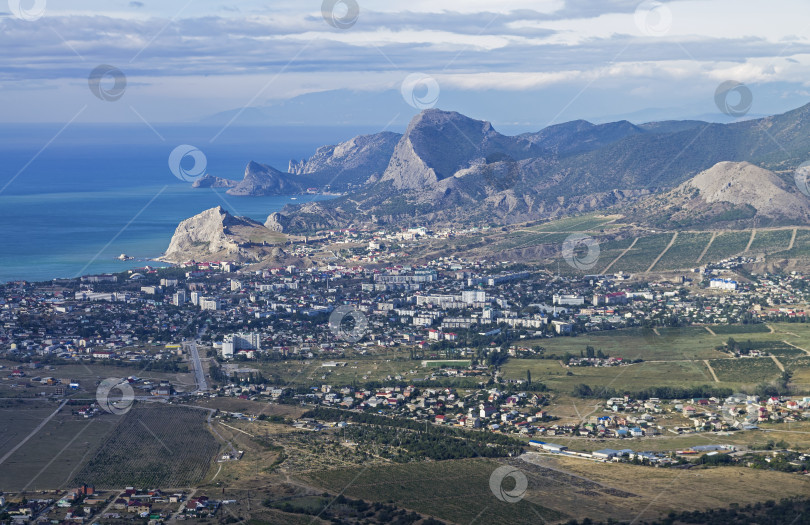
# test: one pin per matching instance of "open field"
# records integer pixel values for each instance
(630, 378)
(583, 223)
(662, 490)
(558, 489)
(153, 446)
(749, 370)
(359, 369)
(51, 456)
(672, 357)
(457, 491)
(87, 374)
(672, 344)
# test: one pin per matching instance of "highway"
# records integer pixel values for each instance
(199, 373)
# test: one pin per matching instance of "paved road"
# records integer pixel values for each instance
(199, 373)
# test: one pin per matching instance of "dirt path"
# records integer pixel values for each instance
(620, 256)
(706, 249)
(778, 364)
(709, 366)
(792, 239)
(751, 240)
(710, 331)
(671, 242)
(769, 327)
(797, 347)
(237, 429)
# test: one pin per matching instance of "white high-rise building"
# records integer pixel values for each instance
(210, 303)
(240, 341)
(473, 296)
(179, 298)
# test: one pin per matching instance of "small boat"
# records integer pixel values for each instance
(124, 257)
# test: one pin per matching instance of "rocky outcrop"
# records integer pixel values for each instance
(209, 181)
(742, 183)
(437, 144)
(215, 234)
(277, 222)
(349, 163)
(728, 192)
(261, 180)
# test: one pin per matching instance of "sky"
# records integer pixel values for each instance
(520, 64)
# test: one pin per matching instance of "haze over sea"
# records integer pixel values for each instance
(98, 191)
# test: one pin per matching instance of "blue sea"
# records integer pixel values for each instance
(76, 198)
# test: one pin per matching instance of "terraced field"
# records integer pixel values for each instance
(727, 244)
(643, 254)
(685, 252)
(771, 241)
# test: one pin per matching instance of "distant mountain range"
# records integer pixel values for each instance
(450, 169)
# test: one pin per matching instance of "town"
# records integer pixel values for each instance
(466, 358)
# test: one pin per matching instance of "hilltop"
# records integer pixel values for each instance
(727, 194)
(215, 235)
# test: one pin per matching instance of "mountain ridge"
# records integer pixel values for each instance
(450, 169)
